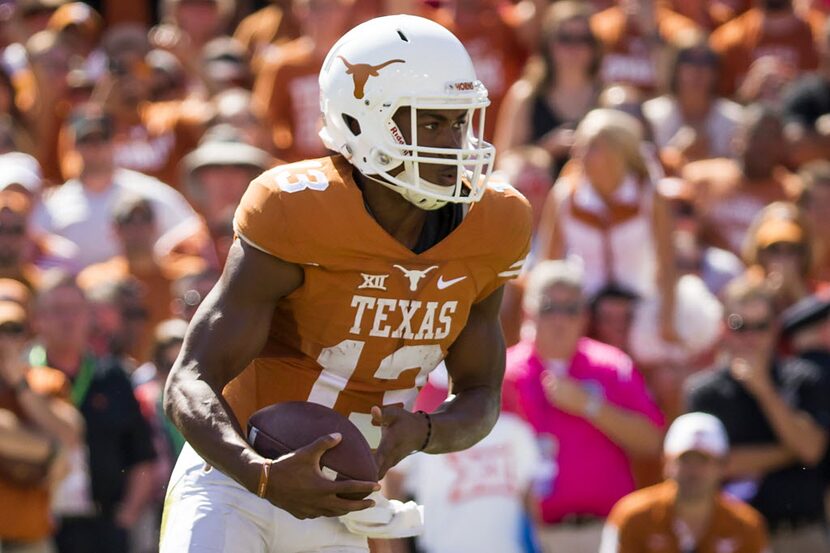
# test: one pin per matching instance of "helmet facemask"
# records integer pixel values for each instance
(473, 159)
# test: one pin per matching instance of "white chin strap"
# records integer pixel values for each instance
(414, 197)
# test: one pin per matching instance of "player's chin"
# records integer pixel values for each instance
(440, 175)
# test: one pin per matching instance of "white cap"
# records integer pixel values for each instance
(22, 169)
(696, 432)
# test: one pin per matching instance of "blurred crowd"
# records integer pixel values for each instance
(676, 154)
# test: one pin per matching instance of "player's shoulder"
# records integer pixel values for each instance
(640, 505)
(502, 203)
(740, 513)
(291, 208)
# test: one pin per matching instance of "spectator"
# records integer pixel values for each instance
(611, 315)
(225, 65)
(168, 81)
(779, 248)
(716, 267)
(274, 24)
(42, 98)
(134, 222)
(216, 175)
(528, 169)
(149, 382)
(687, 512)
(117, 436)
(286, 86)
(474, 500)
(37, 425)
(776, 412)
(190, 24)
(189, 291)
(147, 137)
(235, 107)
(558, 88)
(81, 209)
(814, 201)
(730, 193)
(770, 28)
(20, 127)
(15, 239)
(634, 34)
(588, 405)
(79, 29)
(806, 106)
(606, 205)
(691, 122)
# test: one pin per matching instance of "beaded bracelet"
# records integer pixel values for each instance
(429, 430)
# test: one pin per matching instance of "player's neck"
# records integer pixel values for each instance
(402, 220)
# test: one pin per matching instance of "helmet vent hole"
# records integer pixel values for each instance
(352, 124)
(403, 36)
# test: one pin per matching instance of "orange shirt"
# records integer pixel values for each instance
(745, 39)
(644, 523)
(372, 318)
(710, 14)
(157, 295)
(24, 512)
(727, 202)
(629, 56)
(270, 25)
(288, 91)
(498, 57)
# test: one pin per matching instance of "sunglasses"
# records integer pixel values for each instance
(574, 39)
(738, 324)
(571, 309)
(12, 329)
(785, 248)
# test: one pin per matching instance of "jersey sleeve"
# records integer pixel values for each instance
(263, 219)
(511, 223)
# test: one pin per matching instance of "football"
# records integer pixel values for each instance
(285, 427)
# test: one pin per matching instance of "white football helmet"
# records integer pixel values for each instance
(403, 60)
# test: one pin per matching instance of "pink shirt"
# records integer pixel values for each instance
(584, 472)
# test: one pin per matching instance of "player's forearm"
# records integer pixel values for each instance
(208, 424)
(465, 420)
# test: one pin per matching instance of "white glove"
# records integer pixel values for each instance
(387, 519)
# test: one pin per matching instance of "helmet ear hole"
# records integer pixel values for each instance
(352, 124)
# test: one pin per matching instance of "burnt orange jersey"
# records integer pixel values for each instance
(372, 318)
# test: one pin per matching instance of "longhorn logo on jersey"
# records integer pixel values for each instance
(362, 71)
(414, 275)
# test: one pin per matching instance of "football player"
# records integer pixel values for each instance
(353, 276)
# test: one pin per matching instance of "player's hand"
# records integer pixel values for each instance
(297, 485)
(403, 432)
